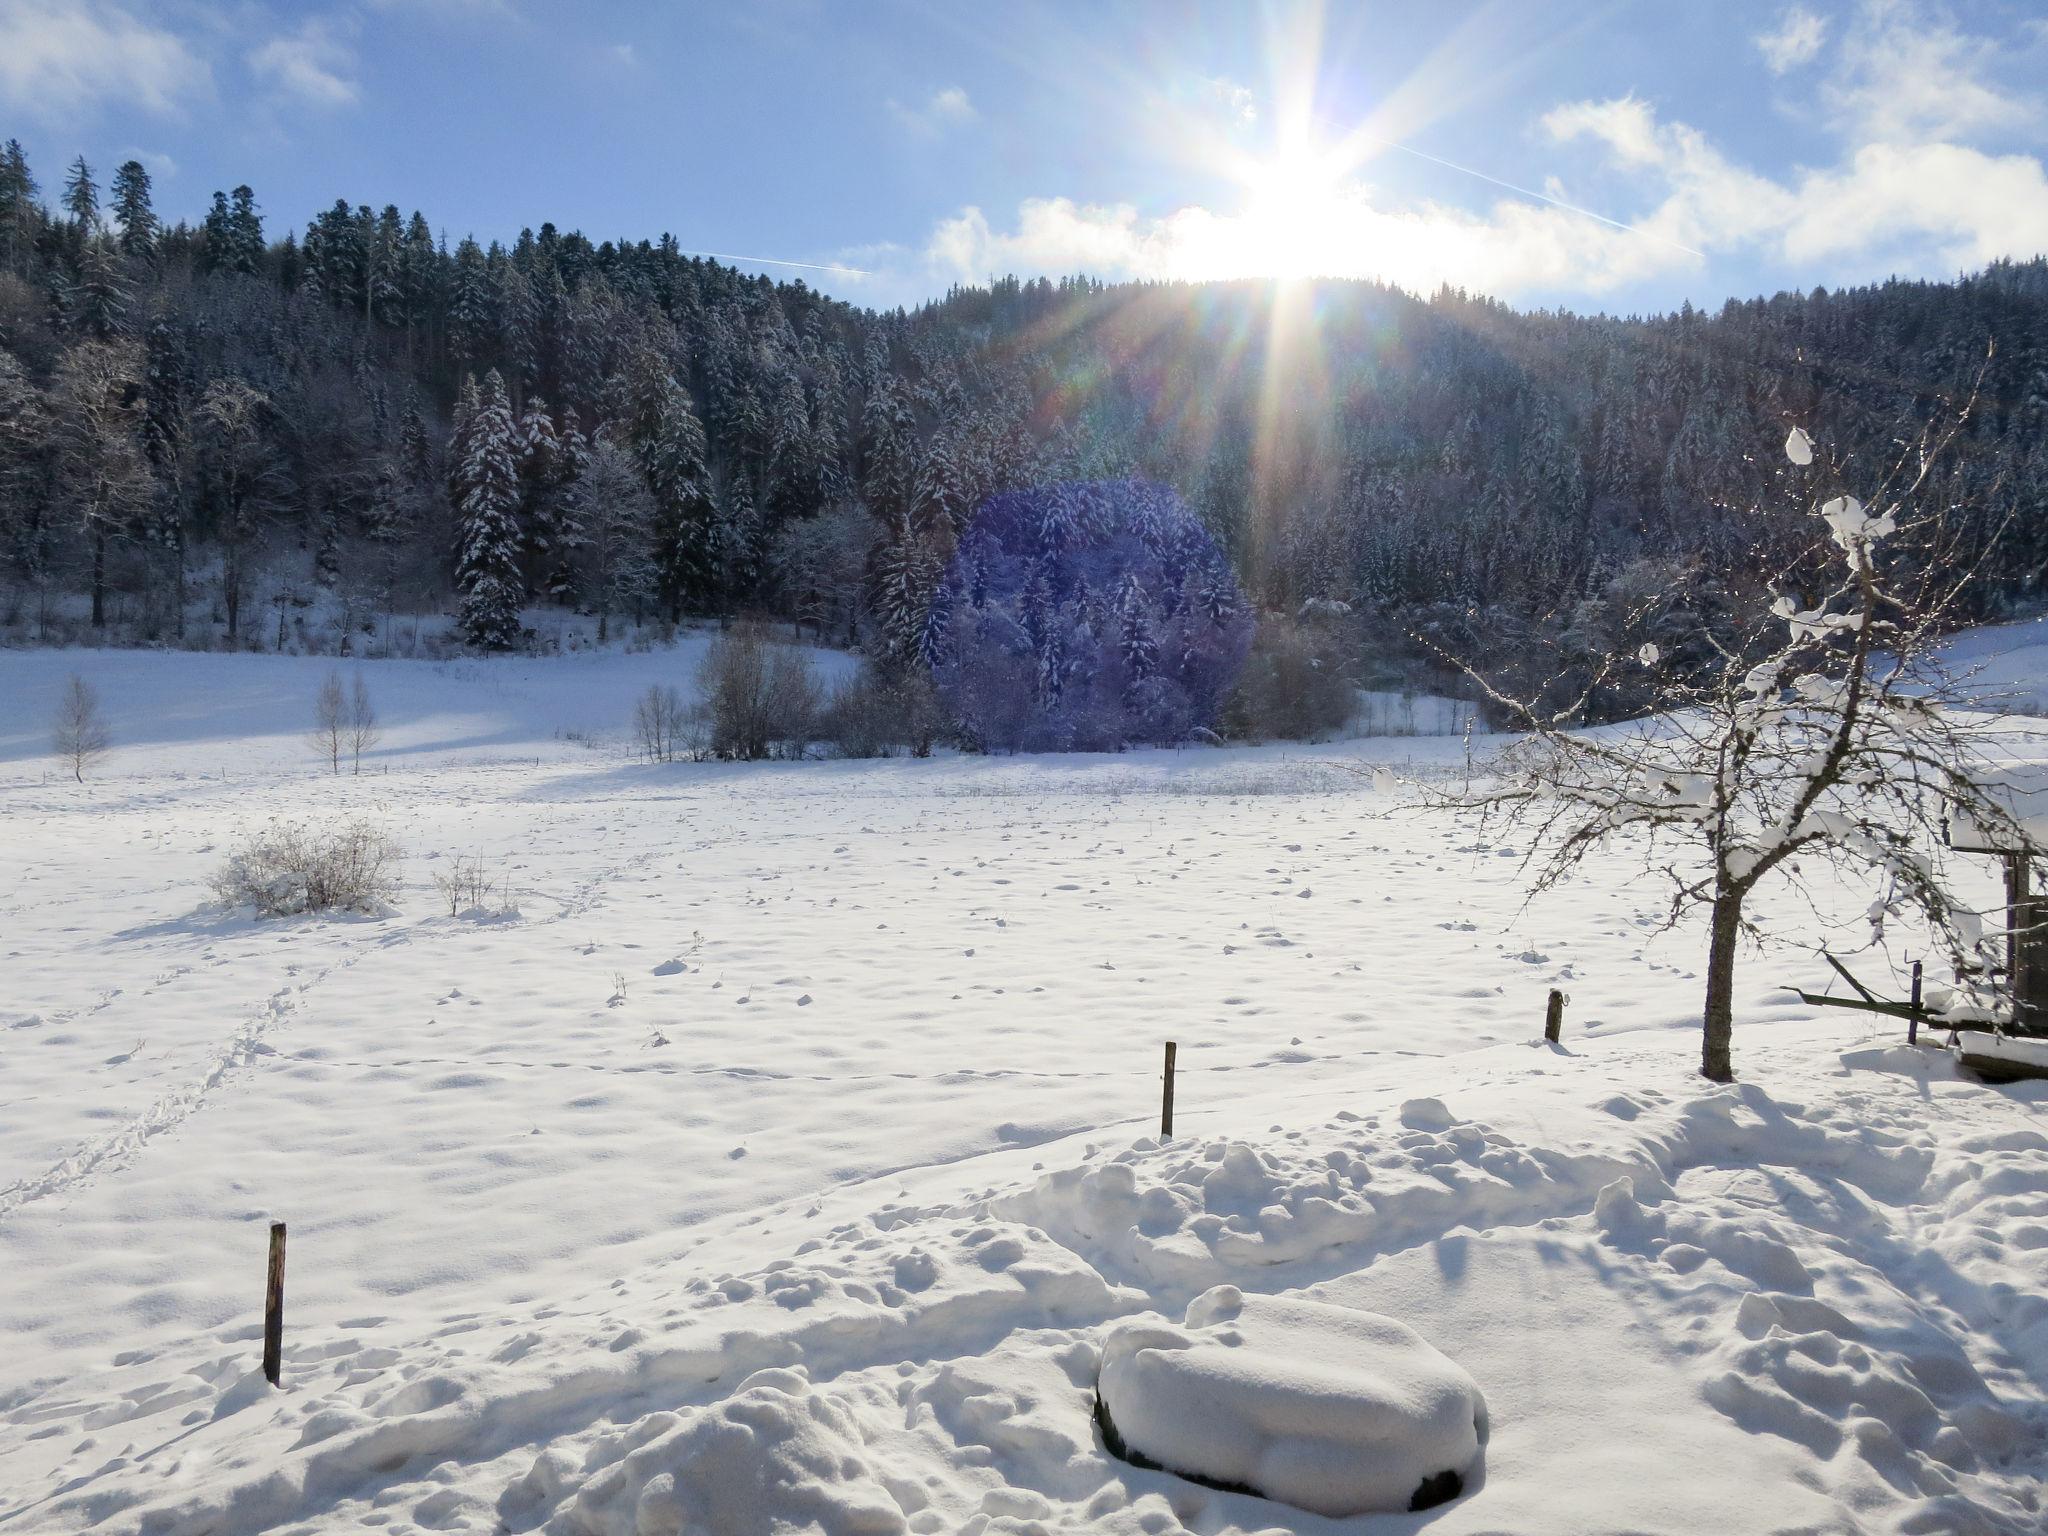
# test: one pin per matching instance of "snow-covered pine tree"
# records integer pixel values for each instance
(685, 511)
(487, 522)
(542, 473)
(1135, 641)
(904, 576)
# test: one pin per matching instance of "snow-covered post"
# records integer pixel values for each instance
(1553, 1018)
(1830, 739)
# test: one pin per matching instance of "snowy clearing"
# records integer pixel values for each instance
(788, 1156)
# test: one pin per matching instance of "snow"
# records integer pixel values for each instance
(1331, 1409)
(595, 1224)
(2020, 1049)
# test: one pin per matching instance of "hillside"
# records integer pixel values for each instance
(291, 430)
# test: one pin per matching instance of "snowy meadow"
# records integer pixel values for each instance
(778, 1147)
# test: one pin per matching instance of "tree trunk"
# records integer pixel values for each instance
(99, 576)
(1715, 1062)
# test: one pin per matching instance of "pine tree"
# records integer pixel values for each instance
(487, 522)
(82, 196)
(904, 572)
(685, 511)
(1135, 642)
(20, 214)
(133, 209)
(99, 299)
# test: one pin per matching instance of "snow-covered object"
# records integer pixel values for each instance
(1649, 655)
(2017, 1049)
(1798, 446)
(1328, 1408)
(1852, 525)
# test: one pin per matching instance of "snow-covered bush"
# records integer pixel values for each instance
(290, 867)
(1087, 616)
(1828, 743)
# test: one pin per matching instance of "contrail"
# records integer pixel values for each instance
(1541, 197)
(775, 261)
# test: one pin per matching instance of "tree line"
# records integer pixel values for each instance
(357, 417)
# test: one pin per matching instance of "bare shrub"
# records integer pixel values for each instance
(1292, 687)
(659, 719)
(758, 696)
(874, 716)
(360, 723)
(468, 886)
(79, 732)
(329, 735)
(290, 867)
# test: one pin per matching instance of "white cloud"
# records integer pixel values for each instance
(947, 108)
(1906, 79)
(1515, 247)
(1794, 41)
(58, 57)
(311, 64)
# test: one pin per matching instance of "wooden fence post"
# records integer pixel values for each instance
(1166, 1104)
(1553, 1018)
(273, 1307)
(1913, 1018)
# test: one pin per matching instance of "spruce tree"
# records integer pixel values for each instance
(132, 208)
(82, 196)
(686, 520)
(487, 522)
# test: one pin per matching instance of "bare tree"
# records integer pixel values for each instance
(359, 722)
(615, 514)
(79, 732)
(330, 720)
(658, 720)
(241, 483)
(1831, 748)
(101, 466)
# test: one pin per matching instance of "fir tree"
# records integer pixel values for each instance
(686, 554)
(487, 522)
(82, 196)
(133, 209)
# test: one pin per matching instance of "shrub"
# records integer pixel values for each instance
(874, 716)
(1293, 686)
(658, 721)
(289, 868)
(758, 696)
(468, 888)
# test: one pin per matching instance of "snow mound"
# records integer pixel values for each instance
(1331, 1409)
(772, 1457)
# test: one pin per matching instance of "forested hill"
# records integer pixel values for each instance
(195, 419)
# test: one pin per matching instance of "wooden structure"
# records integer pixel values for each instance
(2026, 971)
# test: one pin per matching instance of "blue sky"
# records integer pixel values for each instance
(1619, 157)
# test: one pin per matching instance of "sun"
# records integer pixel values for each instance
(1294, 218)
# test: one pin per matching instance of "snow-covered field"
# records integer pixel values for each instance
(784, 1162)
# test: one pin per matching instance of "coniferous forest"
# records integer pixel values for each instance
(207, 432)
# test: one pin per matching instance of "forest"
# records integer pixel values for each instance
(216, 436)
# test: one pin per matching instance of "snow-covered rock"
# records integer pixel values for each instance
(1331, 1409)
